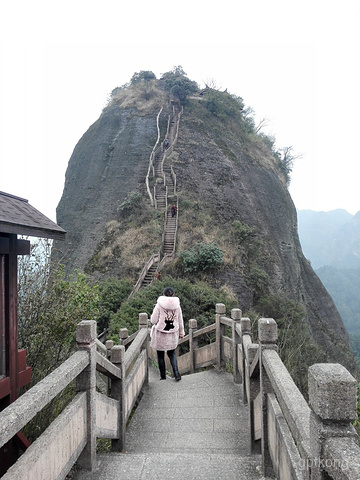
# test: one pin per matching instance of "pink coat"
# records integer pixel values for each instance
(167, 322)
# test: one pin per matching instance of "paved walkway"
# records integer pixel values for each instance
(195, 429)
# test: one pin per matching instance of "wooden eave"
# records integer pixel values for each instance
(18, 217)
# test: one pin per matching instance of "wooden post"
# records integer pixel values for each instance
(236, 338)
(220, 311)
(86, 381)
(192, 344)
(13, 367)
(118, 393)
(268, 336)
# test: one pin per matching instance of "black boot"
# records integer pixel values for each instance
(161, 362)
(173, 361)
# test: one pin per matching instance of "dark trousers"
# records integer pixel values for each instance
(161, 361)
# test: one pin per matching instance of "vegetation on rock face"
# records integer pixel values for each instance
(201, 257)
(197, 300)
(295, 344)
(129, 240)
(178, 85)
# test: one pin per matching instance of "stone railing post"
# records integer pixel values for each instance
(109, 344)
(123, 335)
(86, 381)
(333, 398)
(220, 311)
(245, 330)
(236, 338)
(268, 335)
(143, 320)
(118, 393)
(144, 323)
(193, 344)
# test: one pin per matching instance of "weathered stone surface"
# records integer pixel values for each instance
(268, 332)
(332, 392)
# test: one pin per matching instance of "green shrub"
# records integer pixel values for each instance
(222, 104)
(177, 83)
(201, 257)
(131, 202)
(242, 231)
(295, 344)
(49, 308)
(197, 301)
(112, 294)
(142, 76)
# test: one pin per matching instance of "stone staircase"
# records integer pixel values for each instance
(194, 429)
(169, 235)
(150, 275)
(164, 193)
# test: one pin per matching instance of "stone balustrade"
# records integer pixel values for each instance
(297, 440)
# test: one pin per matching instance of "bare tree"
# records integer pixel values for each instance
(264, 122)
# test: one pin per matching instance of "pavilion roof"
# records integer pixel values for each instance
(19, 217)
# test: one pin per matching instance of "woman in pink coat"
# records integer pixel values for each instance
(168, 327)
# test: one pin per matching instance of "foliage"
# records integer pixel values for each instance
(259, 281)
(357, 421)
(131, 202)
(295, 344)
(202, 256)
(248, 243)
(49, 308)
(198, 301)
(222, 104)
(177, 83)
(112, 294)
(142, 76)
(355, 345)
(286, 158)
(243, 231)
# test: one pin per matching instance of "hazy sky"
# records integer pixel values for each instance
(293, 62)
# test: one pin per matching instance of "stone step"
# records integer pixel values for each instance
(178, 466)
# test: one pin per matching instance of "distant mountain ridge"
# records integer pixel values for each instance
(330, 238)
(331, 241)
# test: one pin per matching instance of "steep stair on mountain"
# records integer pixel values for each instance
(164, 192)
(149, 277)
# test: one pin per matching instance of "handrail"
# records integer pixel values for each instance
(152, 156)
(292, 403)
(154, 258)
(76, 428)
(19, 413)
(167, 257)
(135, 347)
(281, 421)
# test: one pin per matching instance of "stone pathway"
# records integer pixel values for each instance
(197, 429)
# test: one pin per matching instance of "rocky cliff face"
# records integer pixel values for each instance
(227, 179)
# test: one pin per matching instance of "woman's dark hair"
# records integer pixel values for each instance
(168, 292)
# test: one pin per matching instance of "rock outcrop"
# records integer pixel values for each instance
(224, 175)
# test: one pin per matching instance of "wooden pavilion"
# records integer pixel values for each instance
(17, 217)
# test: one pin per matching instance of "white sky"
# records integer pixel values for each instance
(293, 62)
